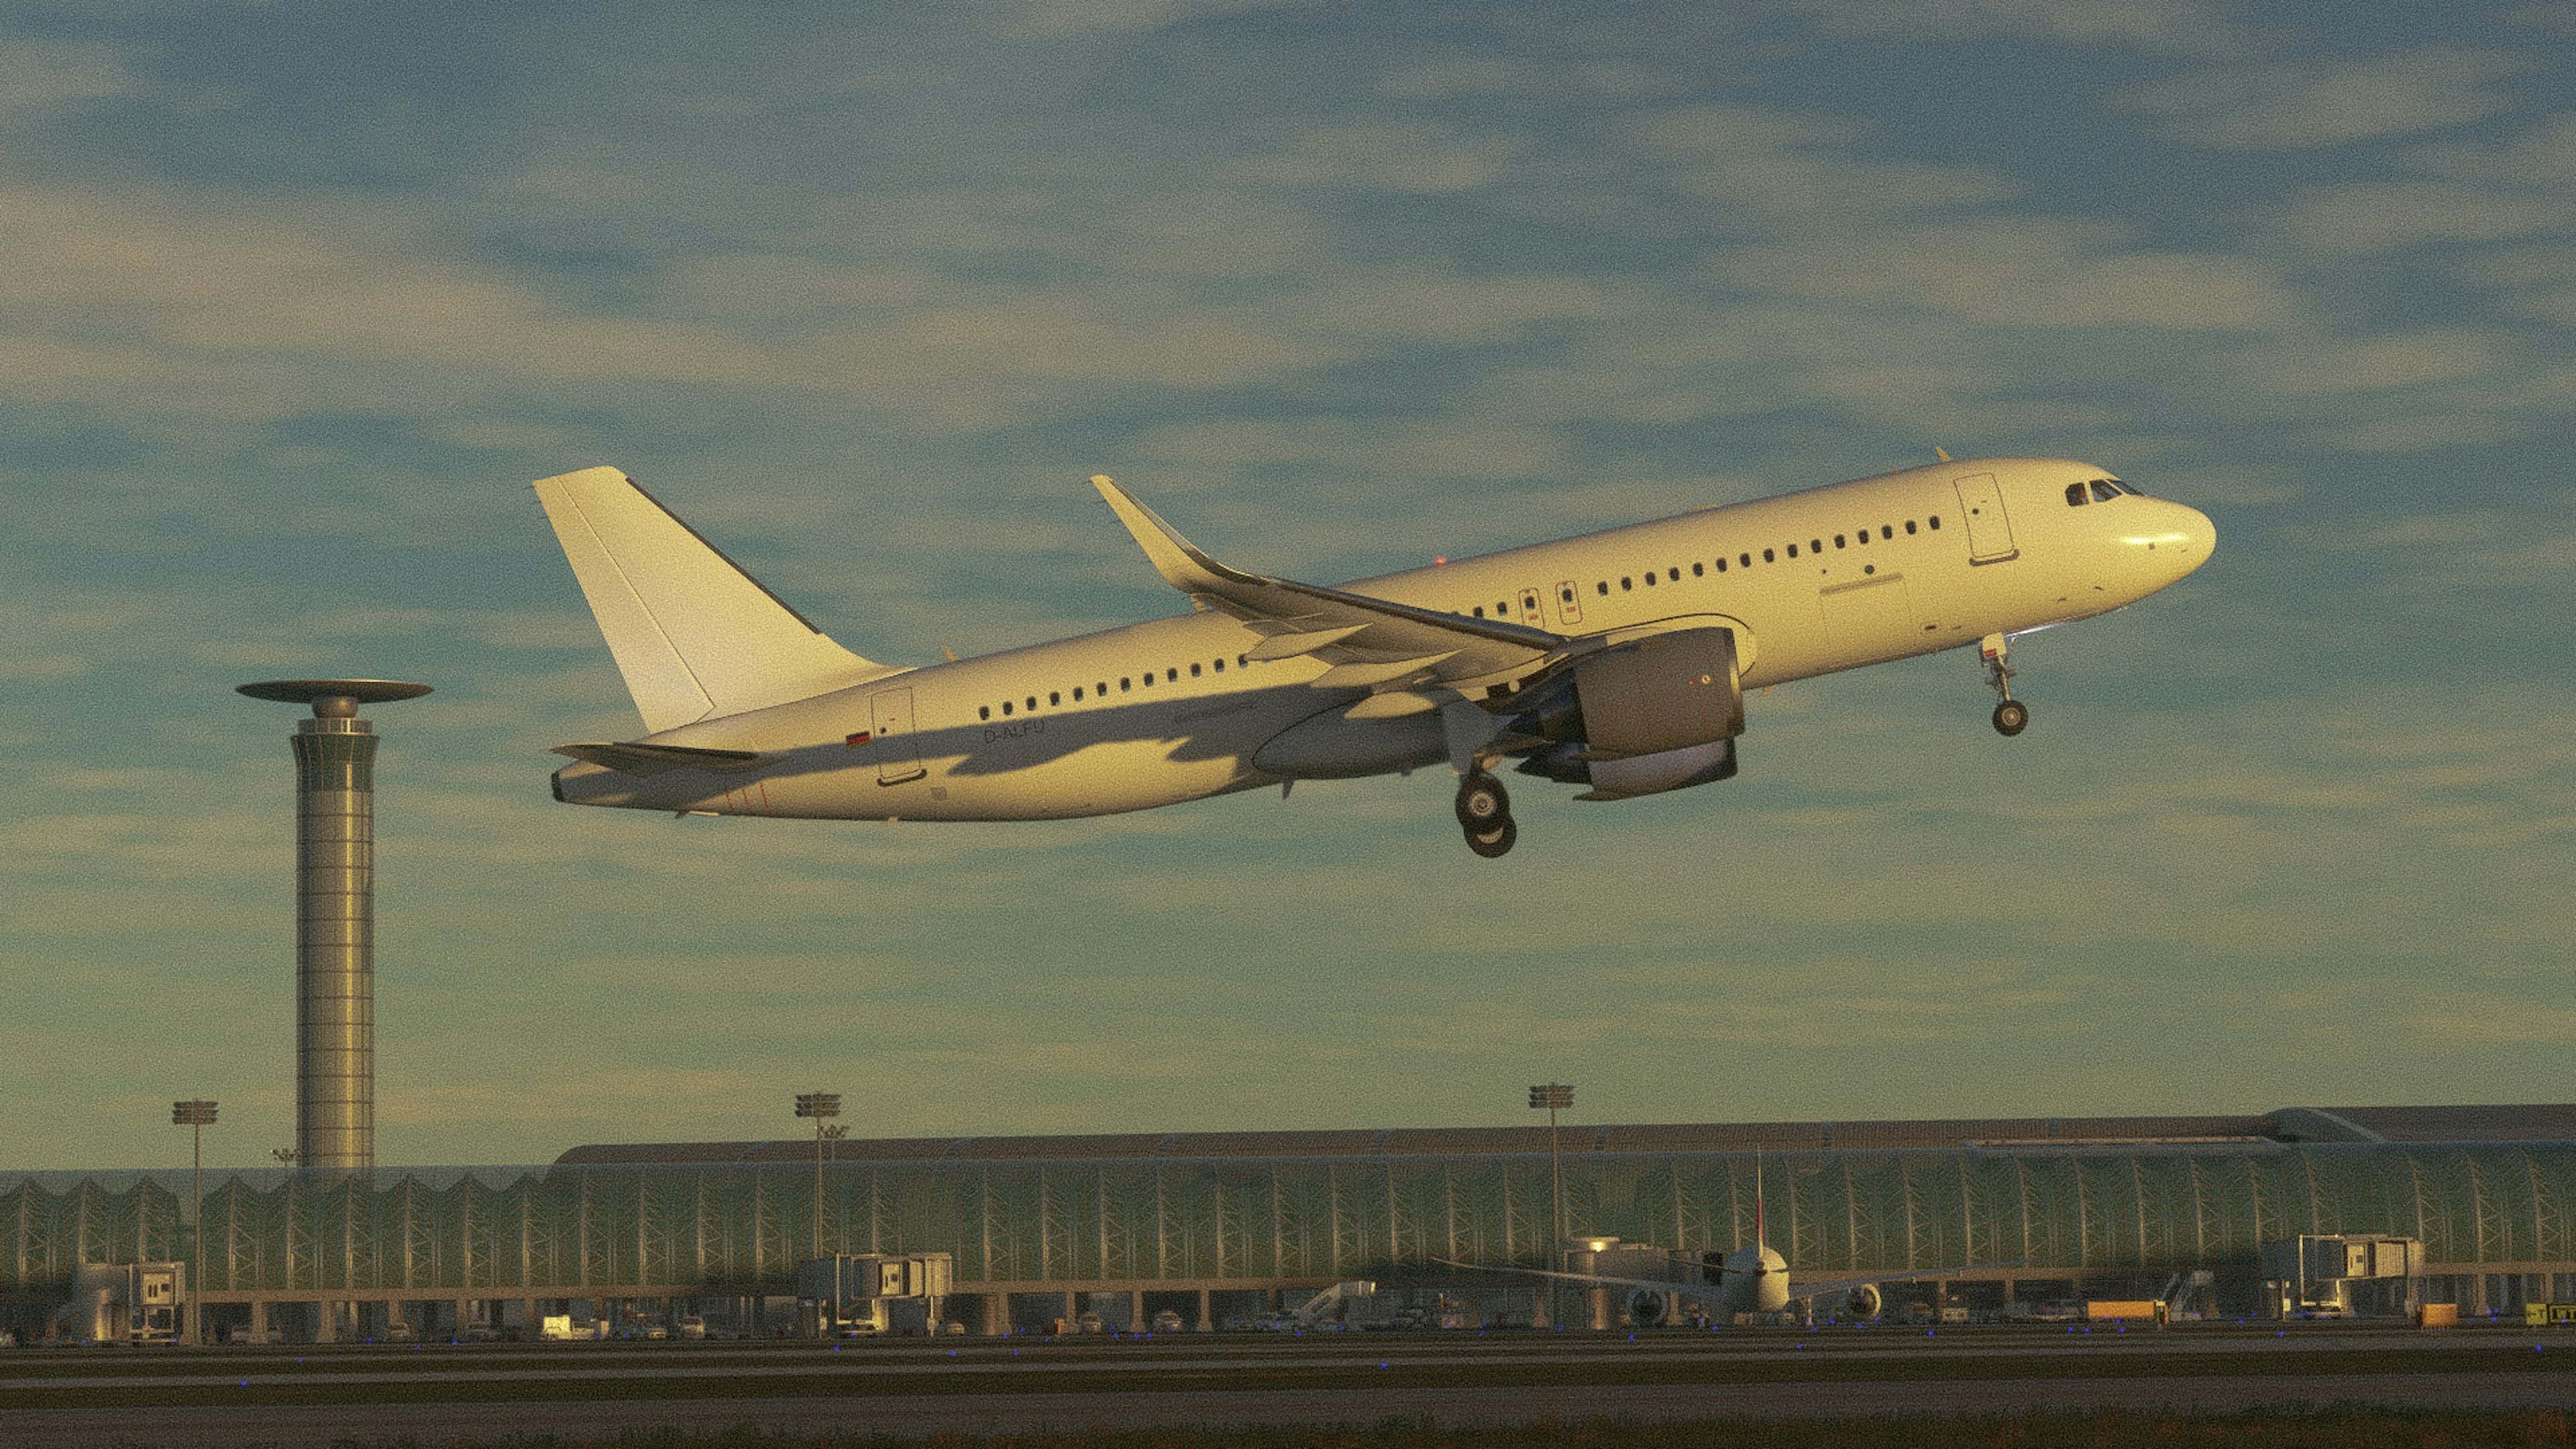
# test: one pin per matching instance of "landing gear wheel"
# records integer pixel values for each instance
(1493, 842)
(2012, 716)
(1482, 803)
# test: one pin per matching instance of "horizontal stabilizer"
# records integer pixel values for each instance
(695, 636)
(643, 759)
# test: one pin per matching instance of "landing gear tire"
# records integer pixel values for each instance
(1482, 803)
(2011, 717)
(1494, 841)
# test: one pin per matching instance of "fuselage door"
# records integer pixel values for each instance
(1530, 614)
(1990, 537)
(1569, 604)
(890, 728)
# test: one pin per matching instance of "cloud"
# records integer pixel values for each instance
(1056, 18)
(1516, 79)
(2542, 157)
(1464, 448)
(868, 301)
(2385, 216)
(2024, 273)
(165, 303)
(39, 74)
(1792, 167)
(1383, 156)
(41, 666)
(232, 310)
(2178, 27)
(2312, 366)
(2457, 192)
(2299, 105)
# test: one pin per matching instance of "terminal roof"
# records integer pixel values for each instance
(2288, 1124)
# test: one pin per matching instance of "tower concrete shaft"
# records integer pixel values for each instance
(335, 943)
(335, 916)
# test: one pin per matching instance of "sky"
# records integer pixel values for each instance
(300, 296)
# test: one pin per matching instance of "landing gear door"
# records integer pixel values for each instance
(890, 729)
(1990, 537)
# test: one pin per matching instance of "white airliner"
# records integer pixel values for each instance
(1617, 660)
(1753, 1279)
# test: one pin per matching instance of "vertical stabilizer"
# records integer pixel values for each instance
(695, 636)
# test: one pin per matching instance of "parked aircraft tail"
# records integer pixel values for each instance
(695, 636)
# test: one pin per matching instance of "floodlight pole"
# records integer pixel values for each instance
(819, 1105)
(1555, 1097)
(195, 1115)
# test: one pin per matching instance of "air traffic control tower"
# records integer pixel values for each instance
(335, 915)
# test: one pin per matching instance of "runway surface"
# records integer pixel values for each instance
(323, 1396)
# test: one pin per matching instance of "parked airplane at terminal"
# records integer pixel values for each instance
(1752, 1279)
(1616, 660)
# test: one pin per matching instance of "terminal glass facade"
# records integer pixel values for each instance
(1030, 1224)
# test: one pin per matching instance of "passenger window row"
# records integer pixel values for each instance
(1628, 583)
(1055, 698)
(1099, 690)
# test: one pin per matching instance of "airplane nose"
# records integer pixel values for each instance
(2199, 535)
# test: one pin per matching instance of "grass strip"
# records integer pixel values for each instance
(1145, 1378)
(2287, 1426)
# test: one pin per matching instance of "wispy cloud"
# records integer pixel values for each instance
(293, 324)
(2182, 27)
(2291, 105)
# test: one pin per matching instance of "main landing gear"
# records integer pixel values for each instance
(1485, 814)
(2011, 716)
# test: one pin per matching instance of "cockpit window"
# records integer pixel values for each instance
(2075, 495)
(2105, 490)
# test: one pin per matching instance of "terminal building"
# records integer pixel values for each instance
(1201, 1228)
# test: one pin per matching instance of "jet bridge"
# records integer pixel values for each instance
(2340, 1275)
(864, 1293)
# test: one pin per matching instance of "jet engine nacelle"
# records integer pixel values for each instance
(1645, 1307)
(1650, 696)
(1865, 1301)
(1658, 714)
(1640, 775)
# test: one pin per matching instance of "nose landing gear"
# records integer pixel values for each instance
(1485, 814)
(2011, 715)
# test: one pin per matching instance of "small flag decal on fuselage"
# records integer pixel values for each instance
(856, 740)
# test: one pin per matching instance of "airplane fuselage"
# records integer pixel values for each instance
(1178, 709)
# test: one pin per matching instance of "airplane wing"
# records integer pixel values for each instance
(1597, 1280)
(1830, 1287)
(1368, 642)
(1797, 1289)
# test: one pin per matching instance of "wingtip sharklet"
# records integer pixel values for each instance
(1182, 563)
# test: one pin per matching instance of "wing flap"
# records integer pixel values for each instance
(1289, 646)
(1370, 673)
